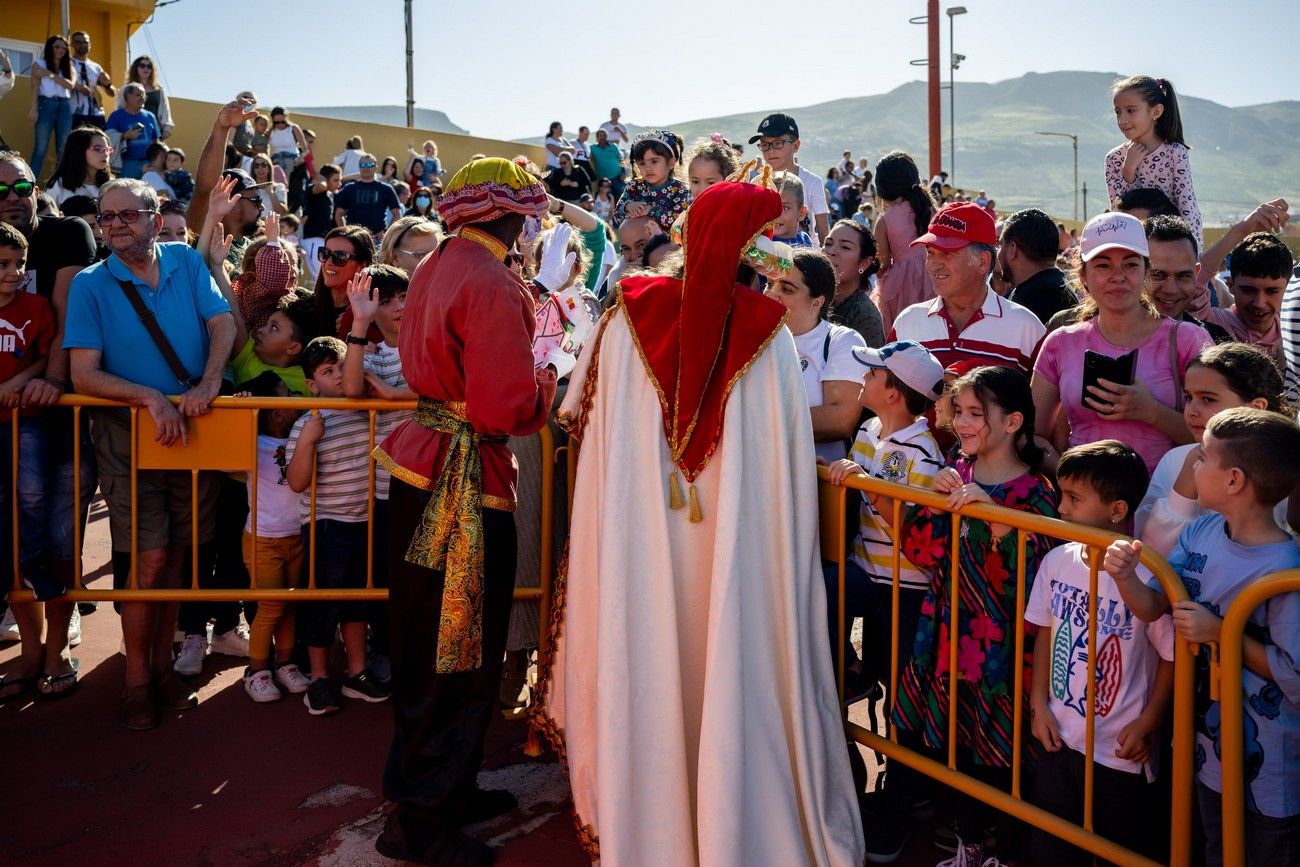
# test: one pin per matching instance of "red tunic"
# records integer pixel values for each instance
(467, 336)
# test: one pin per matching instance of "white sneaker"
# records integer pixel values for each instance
(968, 855)
(291, 678)
(232, 643)
(260, 686)
(9, 627)
(74, 628)
(190, 661)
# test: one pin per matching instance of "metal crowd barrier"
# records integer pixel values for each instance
(225, 440)
(1226, 674)
(834, 538)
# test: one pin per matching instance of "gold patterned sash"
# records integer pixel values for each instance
(450, 535)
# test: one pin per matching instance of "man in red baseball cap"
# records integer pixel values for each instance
(968, 321)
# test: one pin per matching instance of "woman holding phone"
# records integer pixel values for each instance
(1115, 320)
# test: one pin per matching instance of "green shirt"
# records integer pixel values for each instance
(246, 365)
(607, 161)
(594, 241)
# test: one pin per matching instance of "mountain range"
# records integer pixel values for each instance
(1240, 156)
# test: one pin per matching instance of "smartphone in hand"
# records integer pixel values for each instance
(1097, 366)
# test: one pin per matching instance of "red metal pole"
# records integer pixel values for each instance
(936, 137)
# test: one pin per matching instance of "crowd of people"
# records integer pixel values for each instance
(1127, 377)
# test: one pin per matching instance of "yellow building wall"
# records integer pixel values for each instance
(193, 121)
(109, 24)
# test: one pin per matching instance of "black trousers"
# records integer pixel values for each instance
(1121, 808)
(440, 720)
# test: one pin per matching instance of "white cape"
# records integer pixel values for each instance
(693, 684)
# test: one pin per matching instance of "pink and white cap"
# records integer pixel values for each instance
(1112, 231)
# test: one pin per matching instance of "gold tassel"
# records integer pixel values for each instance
(532, 745)
(696, 515)
(675, 498)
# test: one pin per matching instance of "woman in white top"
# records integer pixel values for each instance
(275, 196)
(52, 81)
(83, 169)
(144, 72)
(286, 143)
(556, 144)
(831, 376)
(350, 160)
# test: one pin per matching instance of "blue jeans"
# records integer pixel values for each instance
(45, 497)
(286, 160)
(53, 115)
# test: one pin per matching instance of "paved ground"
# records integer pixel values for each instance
(233, 783)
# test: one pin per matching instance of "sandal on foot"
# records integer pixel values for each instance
(16, 687)
(50, 687)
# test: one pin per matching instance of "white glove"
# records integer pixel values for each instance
(556, 266)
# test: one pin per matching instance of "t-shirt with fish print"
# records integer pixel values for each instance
(1128, 653)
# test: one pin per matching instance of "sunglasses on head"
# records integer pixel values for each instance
(338, 257)
(21, 189)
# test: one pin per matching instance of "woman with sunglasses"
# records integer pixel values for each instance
(52, 81)
(274, 195)
(144, 72)
(83, 168)
(347, 250)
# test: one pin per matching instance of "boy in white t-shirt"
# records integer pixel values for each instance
(1101, 484)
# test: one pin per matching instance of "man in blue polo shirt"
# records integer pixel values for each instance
(114, 356)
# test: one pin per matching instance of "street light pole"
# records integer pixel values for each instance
(1075, 140)
(953, 60)
(410, 71)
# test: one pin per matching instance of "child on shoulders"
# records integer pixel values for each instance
(1239, 480)
(656, 192)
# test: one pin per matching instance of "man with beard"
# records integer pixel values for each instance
(115, 356)
(58, 248)
(1027, 263)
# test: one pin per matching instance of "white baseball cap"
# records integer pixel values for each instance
(1113, 231)
(908, 360)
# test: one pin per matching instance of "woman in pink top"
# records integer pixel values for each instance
(1113, 322)
(902, 280)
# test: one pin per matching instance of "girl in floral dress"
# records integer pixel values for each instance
(993, 418)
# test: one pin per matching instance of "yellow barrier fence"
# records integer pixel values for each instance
(225, 440)
(834, 538)
(1227, 674)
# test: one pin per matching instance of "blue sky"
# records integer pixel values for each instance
(506, 68)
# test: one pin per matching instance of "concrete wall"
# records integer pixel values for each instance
(193, 121)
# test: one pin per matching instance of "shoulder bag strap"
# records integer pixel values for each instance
(150, 323)
(1173, 366)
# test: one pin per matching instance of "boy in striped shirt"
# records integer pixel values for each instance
(337, 443)
(902, 382)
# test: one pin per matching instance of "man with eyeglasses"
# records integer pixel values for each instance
(778, 140)
(366, 201)
(1026, 262)
(115, 356)
(86, 110)
(58, 248)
